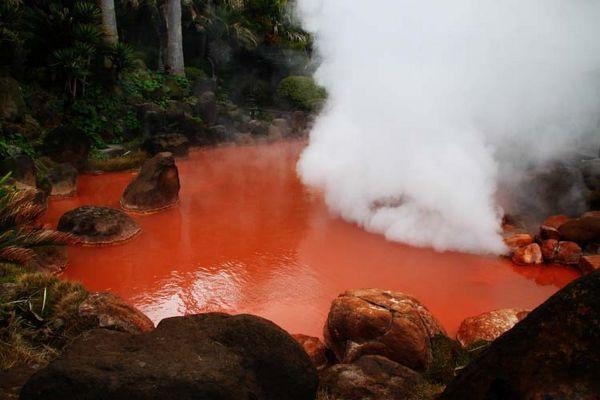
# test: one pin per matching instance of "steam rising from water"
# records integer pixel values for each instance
(430, 100)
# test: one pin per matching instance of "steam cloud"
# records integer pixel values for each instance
(431, 101)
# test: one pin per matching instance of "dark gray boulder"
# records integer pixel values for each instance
(171, 142)
(93, 225)
(208, 356)
(155, 188)
(551, 354)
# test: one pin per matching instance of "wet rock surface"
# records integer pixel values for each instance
(317, 351)
(155, 188)
(588, 264)
(93, 225)
(561, 252)
(105, 310)
(488, 326)
(549, 228)
(207, 356)
(372, 378)
(528, 255)
(551, 354)
(380, 322)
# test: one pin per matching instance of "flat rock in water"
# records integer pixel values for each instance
(94, 225)
(551, 354)
(381, 322)
(488, 326)
(208, 356)
(155, 188)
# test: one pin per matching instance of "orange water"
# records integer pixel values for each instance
(248, 237)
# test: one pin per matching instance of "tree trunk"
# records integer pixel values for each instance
(175, 65)
(109, 21)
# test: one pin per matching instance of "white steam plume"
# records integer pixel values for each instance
(425, 95)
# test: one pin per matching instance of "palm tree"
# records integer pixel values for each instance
(172, 13)
(109, 21)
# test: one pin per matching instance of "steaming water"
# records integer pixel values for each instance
(433, 103)
(248, 236)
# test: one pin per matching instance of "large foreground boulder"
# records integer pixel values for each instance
(381, 322)
(108, 311)
(155, 188)
(93, 225)
(552, 354)
(209, 356)
(374, 378)
(488, 326)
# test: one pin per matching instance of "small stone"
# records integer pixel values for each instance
(488, 326)
(528, 255)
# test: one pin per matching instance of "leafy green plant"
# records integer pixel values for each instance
(301, 92)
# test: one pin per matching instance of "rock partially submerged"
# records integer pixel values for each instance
(488, 326)
(552, 354)
(528, 255)
(105, 310)
(155, 188)
(561, 252)
(208, 356)
(93, 225)
(381, 322)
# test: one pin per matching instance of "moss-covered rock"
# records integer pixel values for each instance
(301, 92)
(12, 104)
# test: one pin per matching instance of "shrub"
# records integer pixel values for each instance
(301, 92)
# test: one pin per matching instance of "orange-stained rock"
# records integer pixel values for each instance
(549, 228)
(488, 326)
(528, 255)
(549, 248)
(315, 349)
(588, 264)
(568, 253)
(514, 240)
(582, 230)
(109, 311)
(381, 322)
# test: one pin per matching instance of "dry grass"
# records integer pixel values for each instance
(131, 160)
(38, 315)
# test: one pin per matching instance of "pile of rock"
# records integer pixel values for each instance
(561, 240)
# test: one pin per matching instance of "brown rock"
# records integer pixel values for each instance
(528, 255)
(549, 228)
(106, 310)
(155, 188)
(568, 253)
(93, 225)
(373, 378)
(315, 349)
(387, 323)
(514, 240)
(488, 326)
(50, 258)
(549, 249)
(589, 264)
(582, 230)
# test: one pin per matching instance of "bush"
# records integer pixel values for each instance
(301, 92)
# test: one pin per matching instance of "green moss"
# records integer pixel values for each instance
(128, 161)
(301, 92)
(449, 357)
